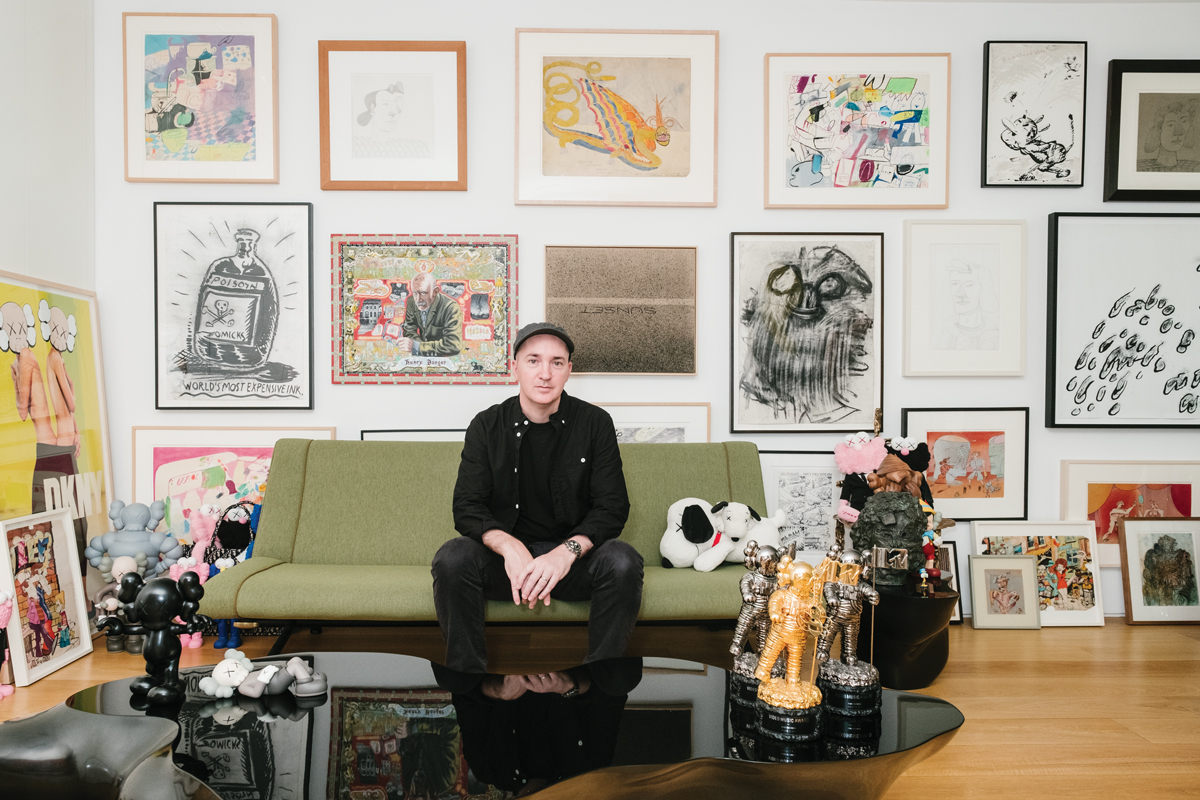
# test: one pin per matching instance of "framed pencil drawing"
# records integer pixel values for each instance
(1152, 142)
(1158, 566)
(806, 325)
(660, 423)
(393, 115)
(805, 485)
(616, 117)
(1004, 592)
(1034, 98)
(201, 98)
(1123, 315)
(856, 130)
(964, 297)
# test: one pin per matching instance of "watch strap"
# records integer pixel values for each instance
(574, 547)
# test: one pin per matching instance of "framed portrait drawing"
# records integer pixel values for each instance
(393, 115)
(423, 309)
(1034, 97)
(201, 98)
(1004, 592)
(1068, 574)
(55, 452)
(233, 305)
(807, 332)
(48, 628)
(964, 297)
(1108, 492)
(414, 435)
(1158, 568)
(979, 459)
(616, 117)
(191, 468)
(660, 423)
(630, 310)
(805, 485)
(856, 130)
(1152, 142)
(1124, 309)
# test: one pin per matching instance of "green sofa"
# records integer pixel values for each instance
(348, 530)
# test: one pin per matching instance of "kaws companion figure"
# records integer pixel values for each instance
(916, 456)
(111, 571)
(857, 458)
(133, 533)
(177, 570)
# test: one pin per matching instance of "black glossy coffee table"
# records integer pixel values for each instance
(400, 727)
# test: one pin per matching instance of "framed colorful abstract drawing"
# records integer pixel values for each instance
(618, 118)
(660, 423)
(856, 130)
(53, 414)
(414, 435)
(1003, 592)
(1152, 144)
(1123, 315)
(964, 297)
(205, 470)
(615, 300)
(1068, 574)
(393, 115)
(233, 305)
(48, 628)
(1108, 492)
(1033, 113)
(423, 309)
(980, 459)
(806, 325)
(1158, 567)
(201, 98)
(805, 485)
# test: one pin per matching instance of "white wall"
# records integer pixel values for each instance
(124, 230)
(47, 202)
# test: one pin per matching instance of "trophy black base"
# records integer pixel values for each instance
(791, 724)
(850, 701)
(788, 752)
(853, 729)
(743, 689)
(743, 718)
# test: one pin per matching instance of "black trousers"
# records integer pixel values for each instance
(466, 574)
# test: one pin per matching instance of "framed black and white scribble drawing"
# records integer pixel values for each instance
(1033, 113)
(1152, 144)
(807, 330)
(630, 310)
(233, 305)
(964, 297)
(805, 485)
(1124, 311)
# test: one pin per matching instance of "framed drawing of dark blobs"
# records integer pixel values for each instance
(807, 331)
(233, 305)
(629, 310)
(1033, 113)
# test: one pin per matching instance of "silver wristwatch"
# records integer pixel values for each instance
(574, 547)
(574, 690)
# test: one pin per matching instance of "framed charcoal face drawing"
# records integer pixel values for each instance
(233, 305)
(1122, 321)
(1152, 143)
(1033, 113)
(807, 329)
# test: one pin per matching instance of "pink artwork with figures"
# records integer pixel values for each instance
(187, 479)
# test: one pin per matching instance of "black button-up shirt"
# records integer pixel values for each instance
(586, 480)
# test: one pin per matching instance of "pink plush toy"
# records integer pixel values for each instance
(860, 455)
(6, 607)
(202, 525)
(176, 570)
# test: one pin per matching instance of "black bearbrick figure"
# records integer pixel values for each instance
(150, 608)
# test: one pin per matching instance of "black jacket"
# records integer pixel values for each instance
(586, 482)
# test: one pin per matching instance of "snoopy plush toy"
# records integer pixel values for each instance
(703, 536)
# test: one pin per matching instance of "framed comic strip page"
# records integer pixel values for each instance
(806, 324)
(1124, 311)
(1159, 570)
(805, 485)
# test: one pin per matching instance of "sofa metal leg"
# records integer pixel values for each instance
(281, 642)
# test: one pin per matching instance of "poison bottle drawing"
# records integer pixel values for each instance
(238, 309)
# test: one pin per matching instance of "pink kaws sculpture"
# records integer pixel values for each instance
(857, 457)
(202, 525)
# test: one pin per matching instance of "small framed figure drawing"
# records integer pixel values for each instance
(1159, 567)
(1004, 592)
(1033, 113)
(660, 423)
(805, 485)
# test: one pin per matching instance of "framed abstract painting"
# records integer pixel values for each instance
(1159, 569)
(806, 324)
(660, 423)
(867, 130)
(1004, 592)
(805, 485)
(614, 117)
(201, 98)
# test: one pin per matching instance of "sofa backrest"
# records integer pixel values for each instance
(351, 502)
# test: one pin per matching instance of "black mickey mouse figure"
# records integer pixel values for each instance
(150, 608)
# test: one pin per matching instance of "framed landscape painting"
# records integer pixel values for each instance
(1004, 592)
(393, 115)
(630, 310)
(616, 117)
(1159, 568)
(233, 305)
(1152, 144)
(660, 423)
(201, 98)
(1034, 97)
(805, 485)
(856, 130)
(1124, 309)
(806, 325)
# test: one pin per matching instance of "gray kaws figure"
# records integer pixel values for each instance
(134, 534)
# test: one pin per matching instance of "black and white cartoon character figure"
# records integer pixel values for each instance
(1025, 136)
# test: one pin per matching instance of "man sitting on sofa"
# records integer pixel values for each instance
(540, 501)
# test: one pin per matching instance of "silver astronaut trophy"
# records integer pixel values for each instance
(849, 686)
(750, 633)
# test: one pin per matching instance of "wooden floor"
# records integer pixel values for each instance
(1110, 712)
